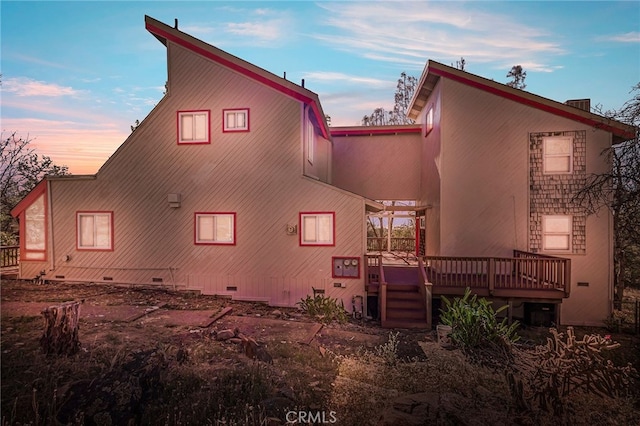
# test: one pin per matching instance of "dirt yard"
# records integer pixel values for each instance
(154, 356)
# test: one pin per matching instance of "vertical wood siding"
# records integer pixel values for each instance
(256, 174)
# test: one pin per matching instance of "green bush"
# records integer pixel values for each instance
(474, 323)
(324, 308)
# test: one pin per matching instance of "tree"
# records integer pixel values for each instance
(21, 168)
(619, 191)
(460, 64)
(404, 93)
(517, 74)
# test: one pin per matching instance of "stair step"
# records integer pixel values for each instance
(400, 287)
(406, 314)
(393, 323)
(405, 304)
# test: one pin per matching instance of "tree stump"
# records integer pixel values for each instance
(61, 324)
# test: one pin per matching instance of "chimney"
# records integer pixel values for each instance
(583, 104)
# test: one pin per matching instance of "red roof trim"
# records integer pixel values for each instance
(38, 190)
(366, 131)
(531, 102)
(242, 70)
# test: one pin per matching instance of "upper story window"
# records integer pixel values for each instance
(235, 120)
(193, 127)
(429, 122)
(557, 155)
(215, 228)
(95, 230)
(310, 136)
(317, 229)
(556, 232)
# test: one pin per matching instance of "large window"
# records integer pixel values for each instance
(193, 127)
(317, 228)
(95, 230)
(235, 120)
(35, 230)
(558, 155)
(556, 233)
(215, 228)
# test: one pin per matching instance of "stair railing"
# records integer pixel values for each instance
(426, 291)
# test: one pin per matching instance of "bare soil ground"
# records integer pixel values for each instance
(150, 356)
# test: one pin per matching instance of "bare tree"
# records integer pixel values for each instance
(21, 168)
(404, 93)
(518, 75)
(619, 191)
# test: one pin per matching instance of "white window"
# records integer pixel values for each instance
(310, 137)
(429, 120)
(35, 231)
(236, 120)
(95, 230)
(193, 127)
(317, 229)
(556, 233)
(215, 228)
(558, 155)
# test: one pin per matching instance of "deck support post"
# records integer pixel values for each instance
(383, 303)
(491, 275)
(428, 294)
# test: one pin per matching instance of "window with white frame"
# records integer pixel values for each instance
(235, 120)
(95, 230)
(317, 229)
(558, 155)
(215, 228)
(193, 127)
(556, 232)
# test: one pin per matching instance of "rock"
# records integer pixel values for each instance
(253, 350)
(225, 334)
(276, 313)
(235, 340)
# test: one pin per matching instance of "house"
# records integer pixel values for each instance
(234, 185)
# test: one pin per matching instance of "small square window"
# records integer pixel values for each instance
(556, 233)
(235, 120)
(193, 127)
(317, 229)
(95, 231)
(558, 155)
(215, 228)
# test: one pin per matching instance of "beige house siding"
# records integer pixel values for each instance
(485, 189)
(256, 174)
(379, 167)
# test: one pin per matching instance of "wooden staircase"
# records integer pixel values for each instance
(405, 305)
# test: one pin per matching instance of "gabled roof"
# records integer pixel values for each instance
(165, 33)
(435, 70)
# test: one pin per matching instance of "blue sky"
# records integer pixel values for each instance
(76, 75)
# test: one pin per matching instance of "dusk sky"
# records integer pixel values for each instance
(77, 75)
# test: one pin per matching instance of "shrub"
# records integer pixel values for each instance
(324, 308)
(474, 323)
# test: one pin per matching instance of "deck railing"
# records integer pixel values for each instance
(9, 256)
(523, 271)
(375, 275)
(397, 244)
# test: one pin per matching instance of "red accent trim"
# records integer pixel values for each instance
(225, 130)
(178, 113)
(507, 94)
(195, 229)
(110, 212)
(302, 244)
(333, 259)
(20, 211)
(242, 70)
(366, 131)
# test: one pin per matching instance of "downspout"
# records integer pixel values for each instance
(52, 261)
